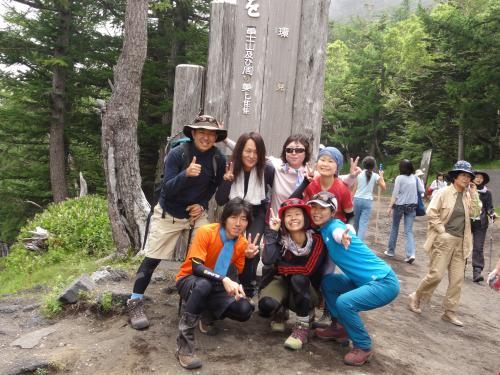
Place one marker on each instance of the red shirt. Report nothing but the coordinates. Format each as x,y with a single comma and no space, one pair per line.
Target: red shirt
339,189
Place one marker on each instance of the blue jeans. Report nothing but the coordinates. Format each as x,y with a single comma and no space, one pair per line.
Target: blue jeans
409,218
362,213
345,300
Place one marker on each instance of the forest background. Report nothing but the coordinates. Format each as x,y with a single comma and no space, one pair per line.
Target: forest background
406,81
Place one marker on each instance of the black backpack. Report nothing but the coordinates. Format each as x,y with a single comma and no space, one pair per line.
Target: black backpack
184,144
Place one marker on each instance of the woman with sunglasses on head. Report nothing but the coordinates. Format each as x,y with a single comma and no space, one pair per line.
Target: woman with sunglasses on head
296,253
250,177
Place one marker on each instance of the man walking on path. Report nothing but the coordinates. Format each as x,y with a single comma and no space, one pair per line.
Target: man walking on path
449,240
185,192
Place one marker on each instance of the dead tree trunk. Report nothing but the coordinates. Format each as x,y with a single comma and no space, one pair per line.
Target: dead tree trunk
127,205
461,132
58,180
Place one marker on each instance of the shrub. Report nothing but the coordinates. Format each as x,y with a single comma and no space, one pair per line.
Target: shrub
79,228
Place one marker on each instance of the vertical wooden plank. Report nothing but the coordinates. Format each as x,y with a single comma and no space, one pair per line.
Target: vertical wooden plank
280,70
220,59
188,94
308,98
240,122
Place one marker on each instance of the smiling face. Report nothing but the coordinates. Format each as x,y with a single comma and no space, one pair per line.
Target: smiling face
203,139
320,215
295,159
249,156
236,224
293,219
326,166
479,179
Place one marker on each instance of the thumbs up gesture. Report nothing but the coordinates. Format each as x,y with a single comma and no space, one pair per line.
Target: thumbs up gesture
193,170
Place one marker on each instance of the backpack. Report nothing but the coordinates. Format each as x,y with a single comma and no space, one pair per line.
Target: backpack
184,144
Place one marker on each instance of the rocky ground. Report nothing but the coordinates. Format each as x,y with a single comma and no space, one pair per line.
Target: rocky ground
85,342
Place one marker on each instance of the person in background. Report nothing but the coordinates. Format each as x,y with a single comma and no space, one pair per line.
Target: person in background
205,280
479,225
249,176
437,184
449,241
363,198
494,277
403,205
297,254
366,281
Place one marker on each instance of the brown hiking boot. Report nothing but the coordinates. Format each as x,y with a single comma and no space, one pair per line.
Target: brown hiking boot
357,357
451,317
185,342
298,337
414,303
137,316
334,332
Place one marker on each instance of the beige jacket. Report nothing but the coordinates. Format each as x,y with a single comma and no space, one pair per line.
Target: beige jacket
440,210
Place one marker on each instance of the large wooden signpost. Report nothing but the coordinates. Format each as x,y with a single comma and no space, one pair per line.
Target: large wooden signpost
265,69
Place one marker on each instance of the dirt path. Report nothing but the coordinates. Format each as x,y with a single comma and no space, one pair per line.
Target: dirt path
404,342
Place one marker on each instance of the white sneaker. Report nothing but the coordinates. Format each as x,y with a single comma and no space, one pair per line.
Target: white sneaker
410,260
387,253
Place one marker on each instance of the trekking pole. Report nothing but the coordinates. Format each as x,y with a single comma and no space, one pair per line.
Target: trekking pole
379,191
492,222
191,228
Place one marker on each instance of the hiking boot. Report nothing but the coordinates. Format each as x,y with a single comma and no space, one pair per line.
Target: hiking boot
387,253
324,321
358,357
414,303
334,332
278,323
137,316
410,260
451,317
298,337
476,275
185,342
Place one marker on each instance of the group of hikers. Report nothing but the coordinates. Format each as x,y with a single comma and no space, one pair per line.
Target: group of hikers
309,224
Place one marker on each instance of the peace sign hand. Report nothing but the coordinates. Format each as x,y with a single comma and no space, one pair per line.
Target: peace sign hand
193,170
274,221
309,172
354,170
252,248
229,176
346,238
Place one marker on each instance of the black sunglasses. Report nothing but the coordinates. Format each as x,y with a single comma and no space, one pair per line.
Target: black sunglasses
206,118
292,202
295,150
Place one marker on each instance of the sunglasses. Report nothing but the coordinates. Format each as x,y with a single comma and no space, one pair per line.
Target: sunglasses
295,150
206,118
292,202
325,197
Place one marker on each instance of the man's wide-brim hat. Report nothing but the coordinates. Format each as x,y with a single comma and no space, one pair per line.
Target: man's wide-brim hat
486,177
462,166
294,202
208,123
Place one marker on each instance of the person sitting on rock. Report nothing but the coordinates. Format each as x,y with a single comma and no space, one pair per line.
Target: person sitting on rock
202,281
297,253
367,282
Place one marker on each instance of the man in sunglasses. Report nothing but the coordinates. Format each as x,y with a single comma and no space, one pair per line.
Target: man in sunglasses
185,192
366,281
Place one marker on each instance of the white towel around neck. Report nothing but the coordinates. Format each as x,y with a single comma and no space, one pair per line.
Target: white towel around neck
256,191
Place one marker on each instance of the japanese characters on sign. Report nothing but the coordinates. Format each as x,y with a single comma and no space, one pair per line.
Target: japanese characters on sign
252,8
248,68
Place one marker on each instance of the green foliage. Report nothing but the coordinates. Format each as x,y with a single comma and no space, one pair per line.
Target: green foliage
404,83
106,301
79,228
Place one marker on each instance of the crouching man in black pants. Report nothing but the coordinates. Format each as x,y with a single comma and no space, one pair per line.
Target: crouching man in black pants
202,282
